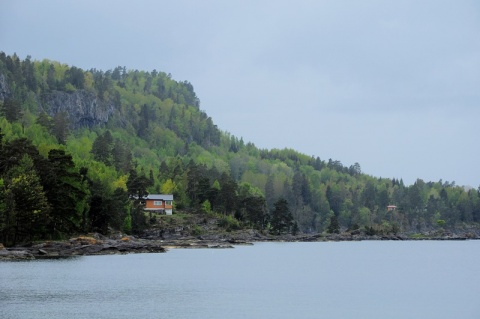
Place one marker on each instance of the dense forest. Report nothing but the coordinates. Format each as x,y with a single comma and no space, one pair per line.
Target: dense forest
80,149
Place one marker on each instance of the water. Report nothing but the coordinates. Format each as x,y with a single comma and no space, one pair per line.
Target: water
427,279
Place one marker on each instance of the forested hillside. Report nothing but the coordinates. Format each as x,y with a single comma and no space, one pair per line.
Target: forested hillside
79,149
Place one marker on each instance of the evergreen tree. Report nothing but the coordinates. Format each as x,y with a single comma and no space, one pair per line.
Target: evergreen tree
122,157
137,190
254,210
75,77
333,226
12,110
29,74
66,192
61,127
107,210
51,82
26,206
282,219
269,192
102,148
44,120
228,194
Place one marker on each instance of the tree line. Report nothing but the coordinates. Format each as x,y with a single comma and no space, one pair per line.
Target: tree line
48,198
159,141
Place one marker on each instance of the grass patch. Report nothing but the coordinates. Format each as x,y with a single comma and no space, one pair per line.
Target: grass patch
418,236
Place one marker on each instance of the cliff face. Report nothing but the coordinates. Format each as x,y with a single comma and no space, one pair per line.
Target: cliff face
83,107
4,88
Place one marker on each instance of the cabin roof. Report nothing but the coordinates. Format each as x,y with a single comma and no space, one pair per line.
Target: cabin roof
160,197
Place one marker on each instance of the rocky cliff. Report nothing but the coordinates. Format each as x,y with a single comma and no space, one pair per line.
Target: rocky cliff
84,108
4,88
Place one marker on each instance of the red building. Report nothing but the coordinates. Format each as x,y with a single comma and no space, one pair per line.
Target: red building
159,203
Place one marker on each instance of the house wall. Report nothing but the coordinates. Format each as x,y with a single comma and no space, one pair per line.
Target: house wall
150,204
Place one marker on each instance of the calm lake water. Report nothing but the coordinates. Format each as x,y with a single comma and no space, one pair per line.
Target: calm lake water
371,279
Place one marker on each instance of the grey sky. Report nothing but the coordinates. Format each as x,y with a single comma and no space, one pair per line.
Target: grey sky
393,85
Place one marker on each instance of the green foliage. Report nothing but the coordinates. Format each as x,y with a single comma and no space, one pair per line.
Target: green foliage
158,140
66,191
197,230
26,206
229,223
60,127
333,226
206,207
441,223
127,224
102,148
11,110
282,219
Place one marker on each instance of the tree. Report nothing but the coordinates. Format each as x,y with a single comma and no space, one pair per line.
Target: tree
282,219
252,206
333,226
29,74
102,148
66,192
168,187
27,207
75,77
297,188
122,157
44,120
107,210
12,110
295,228
383,198
194,175
61,127
269,192
137,191
355,169
228,194
369,195
335,198
13,151
51,82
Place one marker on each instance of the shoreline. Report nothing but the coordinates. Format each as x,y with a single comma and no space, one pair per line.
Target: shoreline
97,245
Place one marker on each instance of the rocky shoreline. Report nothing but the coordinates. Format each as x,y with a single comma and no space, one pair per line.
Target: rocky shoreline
92,245
95,244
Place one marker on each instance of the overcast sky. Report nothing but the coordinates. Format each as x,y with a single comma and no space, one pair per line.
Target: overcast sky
392,85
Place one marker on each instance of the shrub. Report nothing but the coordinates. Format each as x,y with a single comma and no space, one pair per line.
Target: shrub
229,223
197,230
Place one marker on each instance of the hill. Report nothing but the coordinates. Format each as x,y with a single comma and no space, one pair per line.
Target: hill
80,148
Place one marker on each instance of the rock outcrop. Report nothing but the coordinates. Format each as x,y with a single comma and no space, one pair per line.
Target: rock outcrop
83,107
4,88
83,246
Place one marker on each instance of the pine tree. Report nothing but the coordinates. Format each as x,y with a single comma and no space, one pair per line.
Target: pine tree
334,226
66,192
12,110
102,148
61,127
282,219
137,191
27,207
